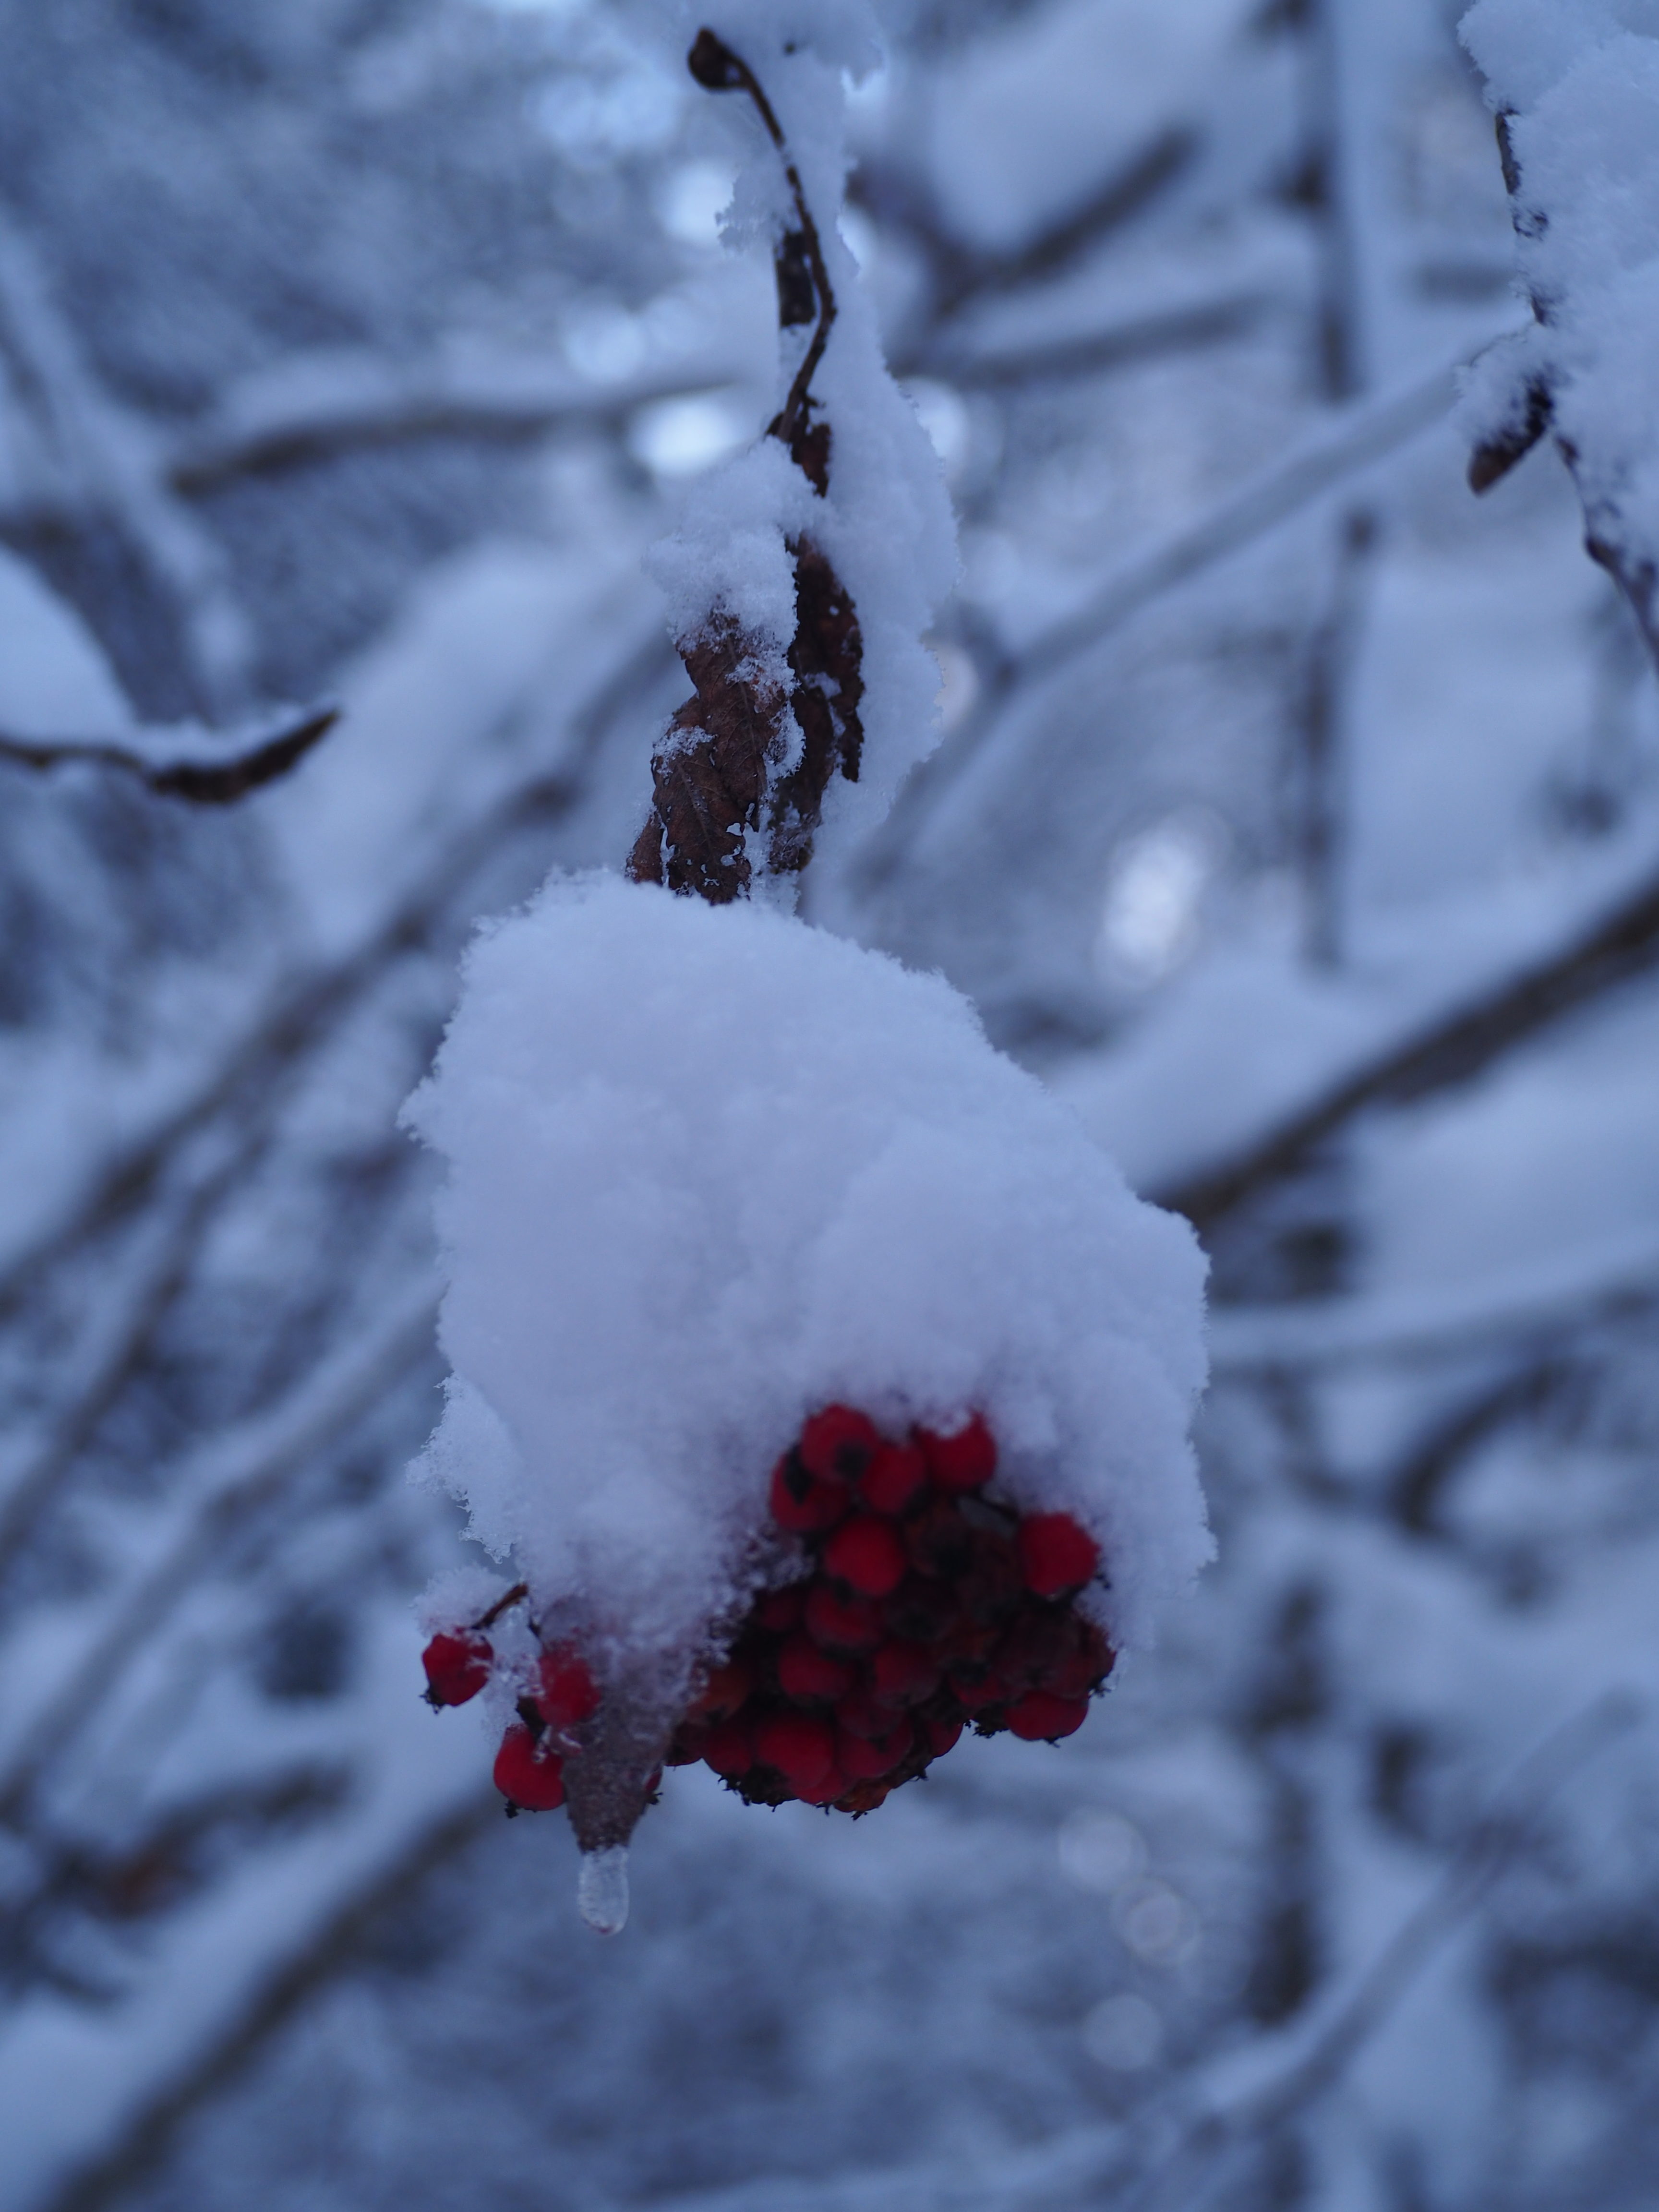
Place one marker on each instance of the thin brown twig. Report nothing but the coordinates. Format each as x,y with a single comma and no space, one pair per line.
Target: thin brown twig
717,69
1335,452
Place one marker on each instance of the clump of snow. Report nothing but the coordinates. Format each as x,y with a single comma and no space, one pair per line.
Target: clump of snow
885,523
1579,82
711,1169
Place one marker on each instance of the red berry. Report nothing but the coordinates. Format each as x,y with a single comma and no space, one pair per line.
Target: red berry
797,1746
840,1623
963,1461
865,1758
867,1555
811,1676
728,1750
780,1610
942,1736
894,1480
687,1747
1055,1554
904,1675
566,1693
804,1503
836,1444
526,1775
824,1791
724,1693
1041,1717
457,1668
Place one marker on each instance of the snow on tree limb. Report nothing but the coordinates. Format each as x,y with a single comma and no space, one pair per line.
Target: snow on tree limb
1576,88
1616,947
209,768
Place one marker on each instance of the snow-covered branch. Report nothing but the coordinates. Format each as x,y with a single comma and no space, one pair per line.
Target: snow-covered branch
209,768
1577,124
1620,946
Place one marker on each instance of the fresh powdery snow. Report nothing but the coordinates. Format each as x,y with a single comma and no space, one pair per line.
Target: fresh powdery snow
711,1169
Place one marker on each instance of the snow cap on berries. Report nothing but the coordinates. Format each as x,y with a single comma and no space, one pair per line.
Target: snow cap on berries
711,1171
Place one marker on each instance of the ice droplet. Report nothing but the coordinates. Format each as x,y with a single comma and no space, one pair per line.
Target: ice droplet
602,1890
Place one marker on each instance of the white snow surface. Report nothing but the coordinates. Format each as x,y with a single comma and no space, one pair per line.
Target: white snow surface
711,1169
886,522
1580,81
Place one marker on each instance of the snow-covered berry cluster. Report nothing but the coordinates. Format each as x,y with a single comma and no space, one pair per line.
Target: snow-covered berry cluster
926,1604
717,1178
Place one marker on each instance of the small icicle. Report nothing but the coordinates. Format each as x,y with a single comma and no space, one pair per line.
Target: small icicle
602,1890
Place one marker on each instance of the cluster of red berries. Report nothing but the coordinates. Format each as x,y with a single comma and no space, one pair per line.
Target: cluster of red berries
529,1764
927,1605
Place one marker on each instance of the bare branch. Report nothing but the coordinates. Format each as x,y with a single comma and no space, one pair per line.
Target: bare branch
230,1476
304,1008
144,2131
1145,337
117,1345
396,410
964,276
1320,768
1623,945
1423,1327
96,514
188,762
1359,436
1505,1829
